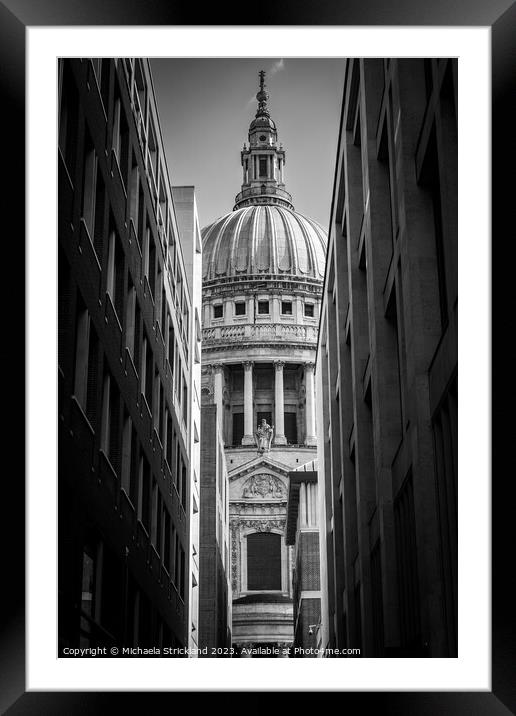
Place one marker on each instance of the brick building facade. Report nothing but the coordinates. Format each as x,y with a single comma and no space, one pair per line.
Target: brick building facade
126,348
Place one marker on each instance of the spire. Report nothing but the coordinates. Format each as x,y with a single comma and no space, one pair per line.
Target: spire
262,96
263,160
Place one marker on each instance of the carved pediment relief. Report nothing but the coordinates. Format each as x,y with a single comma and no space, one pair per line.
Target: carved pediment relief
263,525
263,486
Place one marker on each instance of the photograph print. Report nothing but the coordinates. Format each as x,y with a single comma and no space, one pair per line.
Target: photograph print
257,357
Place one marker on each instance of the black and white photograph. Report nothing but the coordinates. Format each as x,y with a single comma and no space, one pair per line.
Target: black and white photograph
258,357
242,237
246,435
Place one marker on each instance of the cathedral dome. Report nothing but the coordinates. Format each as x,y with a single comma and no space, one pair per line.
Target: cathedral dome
262,240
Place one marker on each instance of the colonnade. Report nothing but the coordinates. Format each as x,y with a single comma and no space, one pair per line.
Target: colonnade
279,402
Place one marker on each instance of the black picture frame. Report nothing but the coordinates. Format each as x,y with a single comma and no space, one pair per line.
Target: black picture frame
500,15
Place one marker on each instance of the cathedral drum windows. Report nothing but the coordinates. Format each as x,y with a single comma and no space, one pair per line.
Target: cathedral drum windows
240,308
309,310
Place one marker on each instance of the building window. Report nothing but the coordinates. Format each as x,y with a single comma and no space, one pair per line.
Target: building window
264,377
153,153
286,308
171,343
240,308
166,540
157,524
263,307
163,309
291,428
179,571
134,475
145,636
238,428
179,462
147,373
86,365
263,166
309,310
132,193
145,494
185,400
157,402
430,179
137,354
184,491
98,226
182,574
115,144
89,559
110,439
130,318
81,354
69,121
88,183
142,221
141,91
115,273
125,147
104,82
149,260
218,311
237,378
263,561
405,529
168,438
126,453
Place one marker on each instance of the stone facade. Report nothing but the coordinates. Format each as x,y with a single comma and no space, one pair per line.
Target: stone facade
387,365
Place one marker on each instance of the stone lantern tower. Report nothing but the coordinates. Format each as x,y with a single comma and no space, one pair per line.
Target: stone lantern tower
263,268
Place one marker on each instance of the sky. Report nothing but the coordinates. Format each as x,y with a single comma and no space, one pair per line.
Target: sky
205,107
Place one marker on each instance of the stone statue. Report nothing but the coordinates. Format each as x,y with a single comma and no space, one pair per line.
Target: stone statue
263,436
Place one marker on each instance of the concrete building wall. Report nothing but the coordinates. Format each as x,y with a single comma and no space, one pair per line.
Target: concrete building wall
185,207
387,365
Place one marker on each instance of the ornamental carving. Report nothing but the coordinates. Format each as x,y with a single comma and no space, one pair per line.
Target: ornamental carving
263,486
262,525
234,557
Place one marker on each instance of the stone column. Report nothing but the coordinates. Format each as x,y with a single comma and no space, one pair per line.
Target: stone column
248,438
218,377
302,505
279,405
310,438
